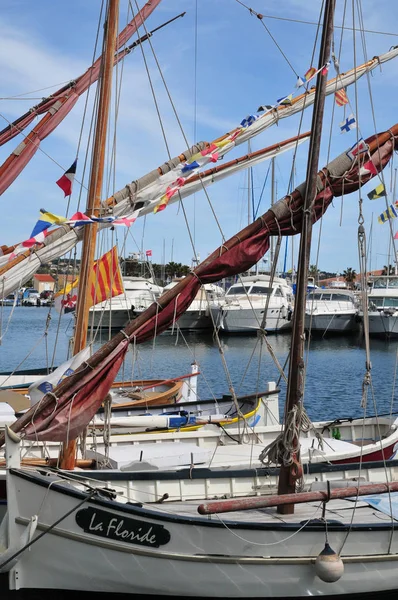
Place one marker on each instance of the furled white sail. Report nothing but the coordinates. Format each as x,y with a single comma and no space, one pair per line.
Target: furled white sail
155,190
147,192
64,239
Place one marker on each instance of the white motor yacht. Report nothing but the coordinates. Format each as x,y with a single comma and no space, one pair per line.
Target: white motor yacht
383,306
332,311
114,313
242,310
197,317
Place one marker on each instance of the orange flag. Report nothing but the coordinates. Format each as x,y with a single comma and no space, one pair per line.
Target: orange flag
106,278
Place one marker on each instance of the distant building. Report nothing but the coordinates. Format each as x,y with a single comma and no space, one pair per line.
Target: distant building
63,280
334,282
340,282
43,282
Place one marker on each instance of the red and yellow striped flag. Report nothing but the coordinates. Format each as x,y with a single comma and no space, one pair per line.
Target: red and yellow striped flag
106,278
105,282
341,97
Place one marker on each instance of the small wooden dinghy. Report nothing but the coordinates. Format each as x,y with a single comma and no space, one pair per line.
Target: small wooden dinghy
146,392
125,394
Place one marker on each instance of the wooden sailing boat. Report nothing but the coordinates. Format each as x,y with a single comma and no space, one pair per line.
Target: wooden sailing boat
171,550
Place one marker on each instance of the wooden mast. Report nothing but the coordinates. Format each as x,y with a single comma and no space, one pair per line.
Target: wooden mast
295,389
272,251
94,198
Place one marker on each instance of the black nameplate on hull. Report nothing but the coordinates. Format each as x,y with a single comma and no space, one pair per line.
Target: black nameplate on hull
123,529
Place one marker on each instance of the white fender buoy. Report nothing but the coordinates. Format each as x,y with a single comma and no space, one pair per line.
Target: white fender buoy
328,566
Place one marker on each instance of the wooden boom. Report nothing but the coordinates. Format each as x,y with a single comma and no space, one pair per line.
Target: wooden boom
232,505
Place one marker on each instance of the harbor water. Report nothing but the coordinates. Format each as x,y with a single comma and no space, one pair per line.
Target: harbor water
335,365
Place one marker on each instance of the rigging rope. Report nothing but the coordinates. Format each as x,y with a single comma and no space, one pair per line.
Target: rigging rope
226,370
381,175
290,20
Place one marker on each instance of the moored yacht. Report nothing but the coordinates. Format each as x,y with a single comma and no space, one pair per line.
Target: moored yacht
383,306
332,311
197,317
139,293
242,310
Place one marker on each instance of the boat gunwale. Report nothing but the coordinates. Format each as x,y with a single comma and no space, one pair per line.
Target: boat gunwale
139,510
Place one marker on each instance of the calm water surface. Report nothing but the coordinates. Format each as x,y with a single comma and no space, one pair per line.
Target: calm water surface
336,366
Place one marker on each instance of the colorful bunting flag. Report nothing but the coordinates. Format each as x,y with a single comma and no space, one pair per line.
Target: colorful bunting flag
377,193
37,239
349,123
341,97
65,300
390,213
127,221
358,148
170,191
249,120
368,167
66,181
265,107
208,150
230,138
79,219
39,232
45,221
285,100
299,82
190,167
310,73
325,69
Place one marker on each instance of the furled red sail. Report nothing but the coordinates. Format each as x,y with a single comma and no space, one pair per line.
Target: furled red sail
57,107
75,400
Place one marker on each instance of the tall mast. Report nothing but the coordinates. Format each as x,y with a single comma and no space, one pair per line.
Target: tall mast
272,204
249,188
295,389
94,197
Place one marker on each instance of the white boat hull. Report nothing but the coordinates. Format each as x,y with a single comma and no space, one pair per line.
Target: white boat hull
194,320
332,323
116,548
248,320
115,319
383,324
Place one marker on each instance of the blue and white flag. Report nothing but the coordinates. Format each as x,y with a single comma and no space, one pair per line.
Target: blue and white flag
349,123
249,120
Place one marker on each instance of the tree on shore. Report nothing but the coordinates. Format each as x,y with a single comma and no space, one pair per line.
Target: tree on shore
313,271
350,276
388,270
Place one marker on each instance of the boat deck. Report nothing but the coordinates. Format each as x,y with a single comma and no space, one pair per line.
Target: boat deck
336,510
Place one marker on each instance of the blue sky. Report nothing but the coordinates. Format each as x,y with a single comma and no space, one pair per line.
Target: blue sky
238,67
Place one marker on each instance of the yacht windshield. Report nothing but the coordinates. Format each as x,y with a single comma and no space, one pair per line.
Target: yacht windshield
260,289
385,282
383,302
236,290
342,298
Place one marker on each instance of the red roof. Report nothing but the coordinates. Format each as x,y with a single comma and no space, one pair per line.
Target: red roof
43,277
